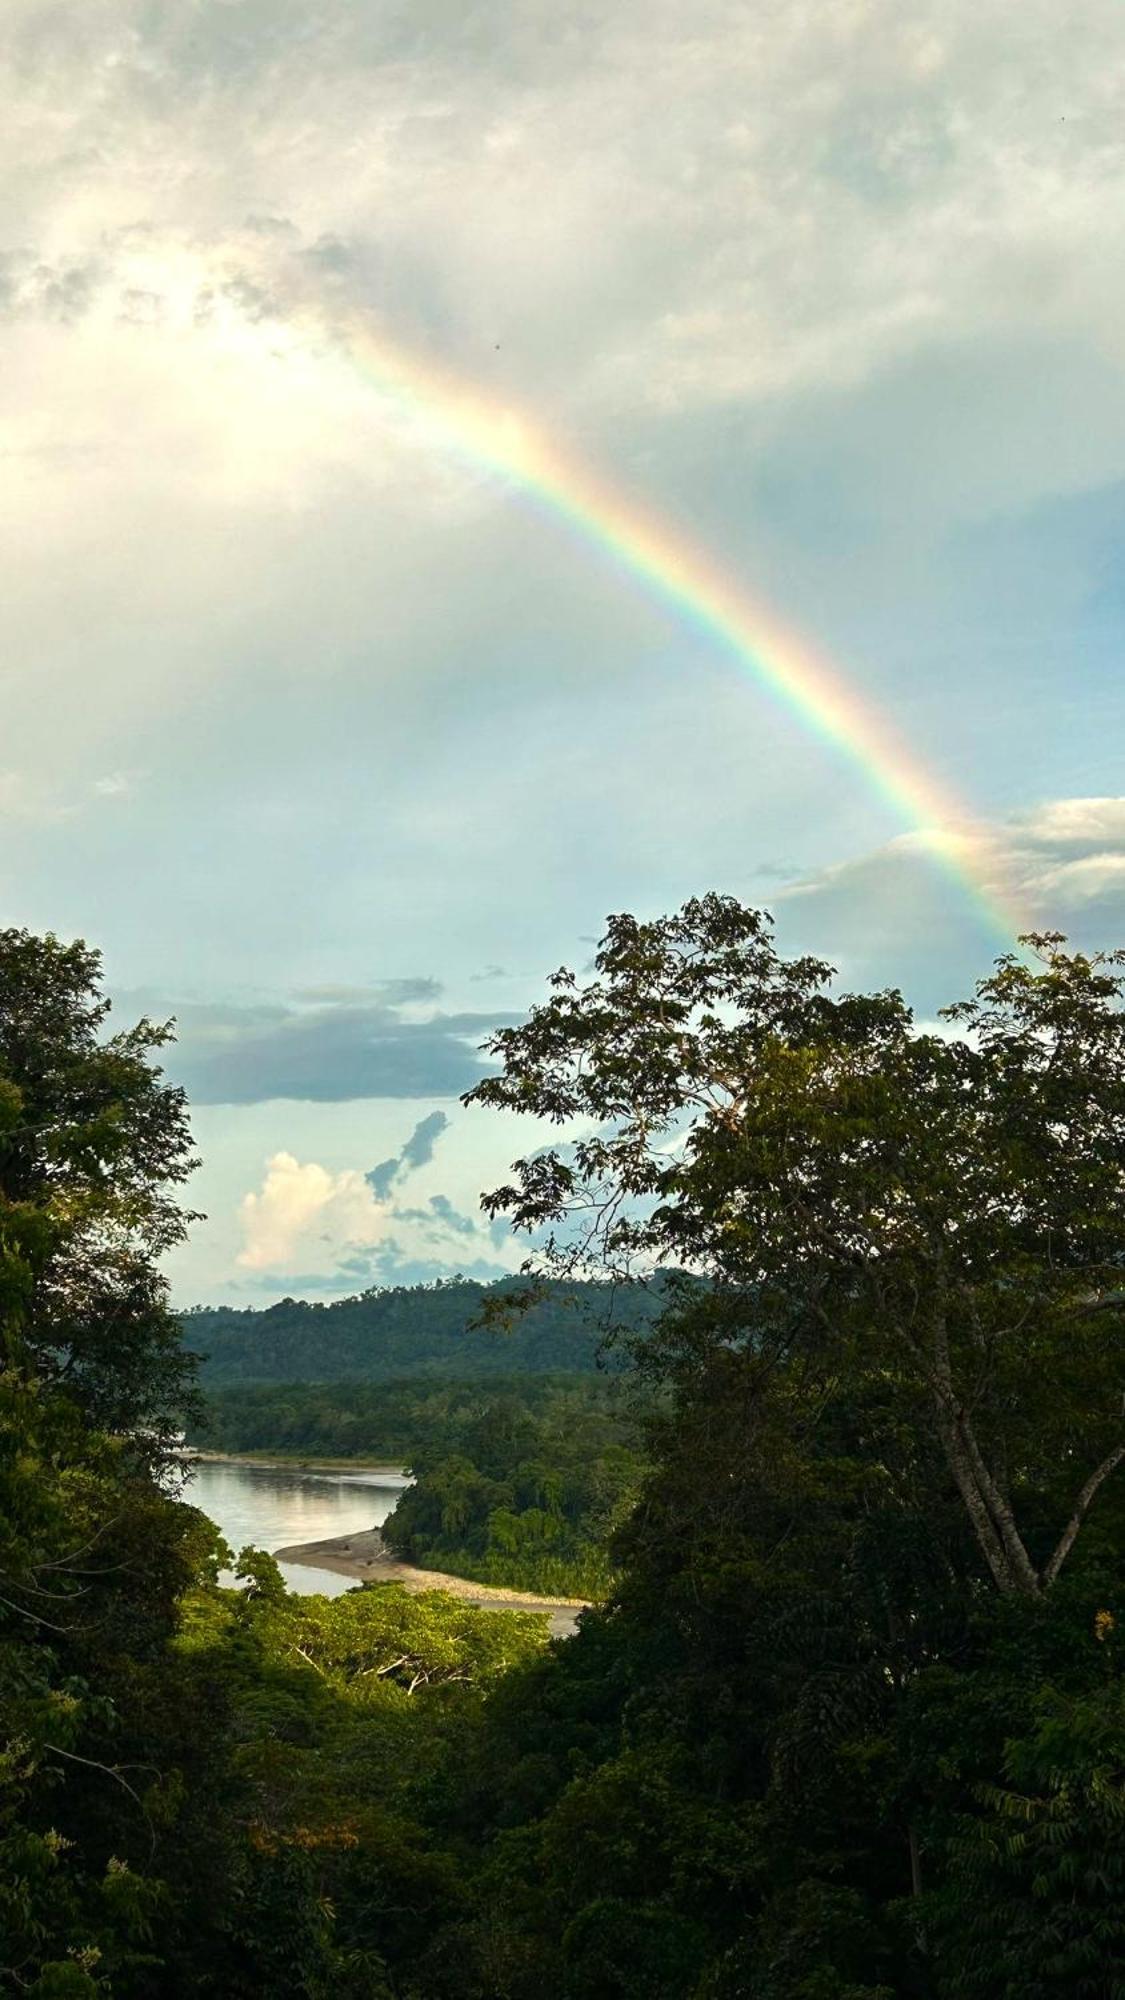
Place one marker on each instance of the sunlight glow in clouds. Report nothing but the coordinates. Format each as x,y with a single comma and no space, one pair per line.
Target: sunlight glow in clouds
261,316
452,416
302,1205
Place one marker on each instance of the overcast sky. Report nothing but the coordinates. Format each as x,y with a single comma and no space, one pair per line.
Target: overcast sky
334,743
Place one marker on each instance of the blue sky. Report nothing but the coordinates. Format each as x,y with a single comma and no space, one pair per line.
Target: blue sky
335,746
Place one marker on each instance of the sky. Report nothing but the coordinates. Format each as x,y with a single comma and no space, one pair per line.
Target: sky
337,740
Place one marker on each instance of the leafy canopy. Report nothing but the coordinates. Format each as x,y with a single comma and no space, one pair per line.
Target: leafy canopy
945,1205
94,1145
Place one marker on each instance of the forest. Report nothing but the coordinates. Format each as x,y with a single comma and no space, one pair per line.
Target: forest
518,1480
379,1422
456,1327
847,1720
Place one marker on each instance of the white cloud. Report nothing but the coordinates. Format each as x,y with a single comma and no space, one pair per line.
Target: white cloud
301,1204
1082,821
650,206
637,216
1034,859
311,1222
1091,878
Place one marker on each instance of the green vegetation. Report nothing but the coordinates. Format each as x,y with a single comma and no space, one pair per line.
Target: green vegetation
188,1776
456,1327
100,1764
343,1721
851,1725
520,1480
523,1490
384,1421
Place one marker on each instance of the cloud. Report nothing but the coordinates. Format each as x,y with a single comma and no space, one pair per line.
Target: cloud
419,1148
417,1152
385,992
891,176
300,1200
1062,863
462,1225
391,1265
1063,822
395,1262
328,1053
345,1227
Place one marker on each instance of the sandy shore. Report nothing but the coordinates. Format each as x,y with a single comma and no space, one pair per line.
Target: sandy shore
365,1555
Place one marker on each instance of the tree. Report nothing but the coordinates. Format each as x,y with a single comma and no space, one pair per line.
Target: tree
945,1208
93,1146
93,1554
864,1632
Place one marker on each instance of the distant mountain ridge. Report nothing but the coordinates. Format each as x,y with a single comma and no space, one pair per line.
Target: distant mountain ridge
417,1330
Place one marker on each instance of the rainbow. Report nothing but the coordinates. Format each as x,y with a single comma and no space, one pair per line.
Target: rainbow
670,567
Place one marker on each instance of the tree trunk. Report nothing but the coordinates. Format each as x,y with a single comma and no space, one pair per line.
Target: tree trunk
993,1521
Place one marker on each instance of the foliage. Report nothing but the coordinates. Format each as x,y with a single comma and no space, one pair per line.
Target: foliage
455,1327
93,1146
1032,1901
860,1193
523,1489
850,1724
382,1421
346,1716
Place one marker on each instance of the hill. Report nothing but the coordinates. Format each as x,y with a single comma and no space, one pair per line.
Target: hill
418,1330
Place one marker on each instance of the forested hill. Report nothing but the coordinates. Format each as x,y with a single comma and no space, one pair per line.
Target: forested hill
415,1330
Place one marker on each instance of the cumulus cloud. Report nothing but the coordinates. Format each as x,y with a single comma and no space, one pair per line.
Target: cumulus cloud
302,1200
331,1230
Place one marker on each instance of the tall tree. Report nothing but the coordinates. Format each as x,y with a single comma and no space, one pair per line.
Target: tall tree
94,1145
93,1554
944,1207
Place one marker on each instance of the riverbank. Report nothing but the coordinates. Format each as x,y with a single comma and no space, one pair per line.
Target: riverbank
280,1461
365,1556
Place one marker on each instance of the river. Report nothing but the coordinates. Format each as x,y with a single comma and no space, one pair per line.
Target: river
275,1507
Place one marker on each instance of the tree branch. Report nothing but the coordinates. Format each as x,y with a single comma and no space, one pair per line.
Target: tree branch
1070,1533
1002,1516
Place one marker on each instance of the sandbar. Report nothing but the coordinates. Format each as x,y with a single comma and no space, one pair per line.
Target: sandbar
365,1555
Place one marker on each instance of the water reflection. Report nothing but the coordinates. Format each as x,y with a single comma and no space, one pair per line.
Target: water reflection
273,1507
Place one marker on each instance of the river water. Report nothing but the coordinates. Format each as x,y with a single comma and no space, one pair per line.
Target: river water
273,1507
